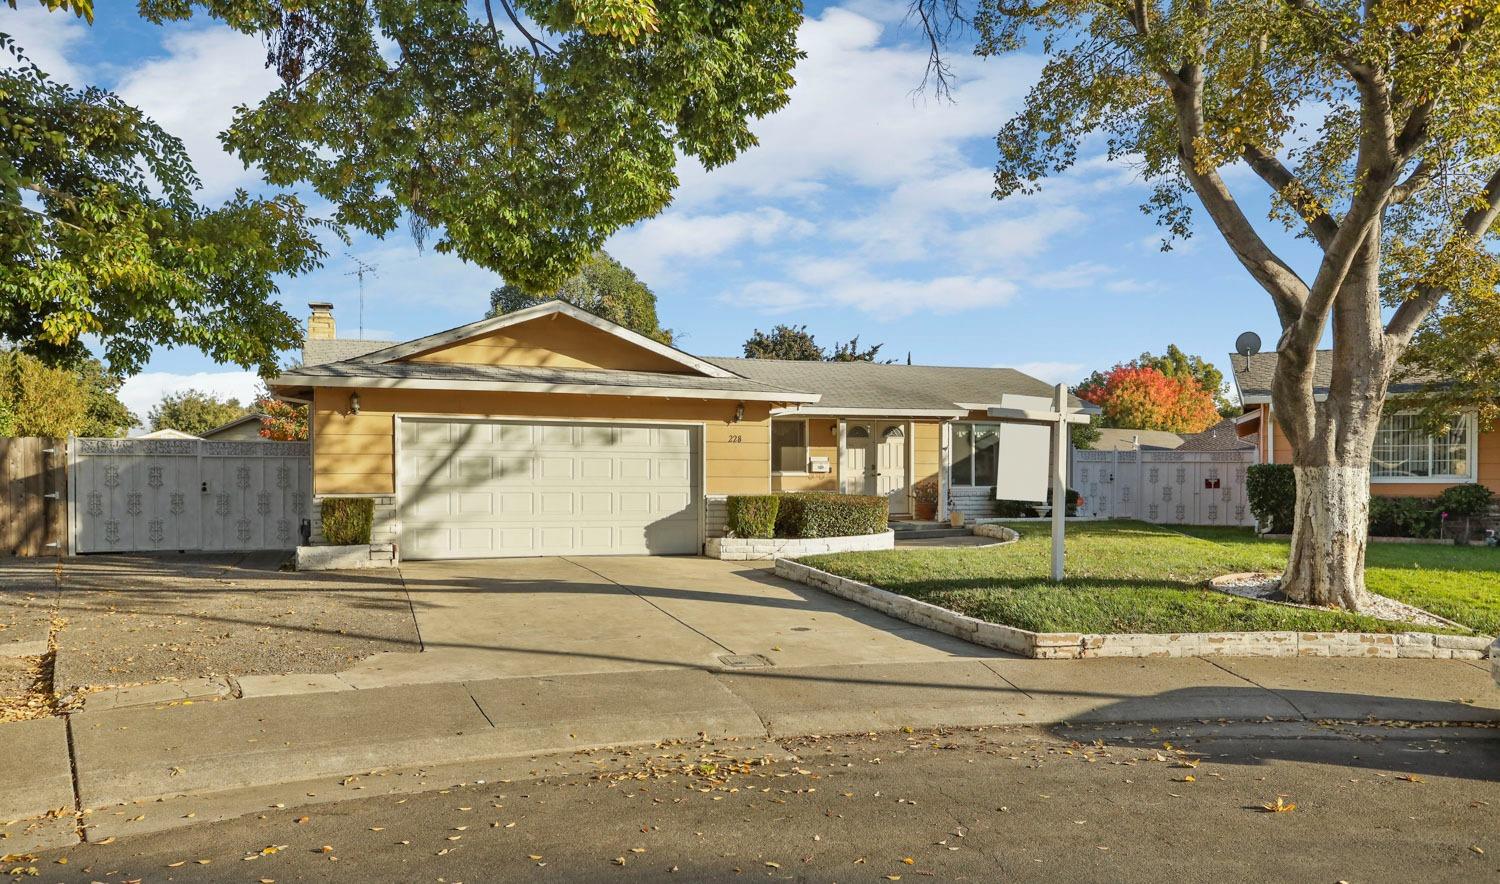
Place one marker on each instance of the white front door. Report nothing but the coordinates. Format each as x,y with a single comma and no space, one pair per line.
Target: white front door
890,466
859,466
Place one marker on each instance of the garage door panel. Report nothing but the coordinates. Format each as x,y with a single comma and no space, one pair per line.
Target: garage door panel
501,488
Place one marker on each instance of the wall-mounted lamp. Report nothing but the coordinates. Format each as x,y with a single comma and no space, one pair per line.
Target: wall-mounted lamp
354,403
739,412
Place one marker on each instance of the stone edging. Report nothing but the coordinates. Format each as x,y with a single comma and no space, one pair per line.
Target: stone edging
345,558
1074,646
742,549
998,532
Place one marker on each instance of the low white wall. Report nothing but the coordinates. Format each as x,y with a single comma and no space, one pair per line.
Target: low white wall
741,549
346,558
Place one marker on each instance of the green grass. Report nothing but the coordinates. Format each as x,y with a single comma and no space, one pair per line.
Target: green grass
1136,577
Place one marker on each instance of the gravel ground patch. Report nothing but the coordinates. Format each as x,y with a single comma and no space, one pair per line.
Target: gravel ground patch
1266,587
28,589
138,619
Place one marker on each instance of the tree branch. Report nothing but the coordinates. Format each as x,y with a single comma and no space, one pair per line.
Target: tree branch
1473,227
1273,172
537,44
1414,182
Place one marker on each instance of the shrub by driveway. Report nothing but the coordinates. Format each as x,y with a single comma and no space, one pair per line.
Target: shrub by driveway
136,619
1136,577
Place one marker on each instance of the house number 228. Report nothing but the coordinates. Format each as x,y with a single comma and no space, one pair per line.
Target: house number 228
736,438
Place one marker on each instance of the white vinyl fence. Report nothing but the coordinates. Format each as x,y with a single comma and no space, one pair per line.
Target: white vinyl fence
1166,487
131,495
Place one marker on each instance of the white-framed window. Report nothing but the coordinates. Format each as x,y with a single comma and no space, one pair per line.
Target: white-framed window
788,445
1404,452
976,454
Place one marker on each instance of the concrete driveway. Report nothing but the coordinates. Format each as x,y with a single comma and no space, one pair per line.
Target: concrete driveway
496,618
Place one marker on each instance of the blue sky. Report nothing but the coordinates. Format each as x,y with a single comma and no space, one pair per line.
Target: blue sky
865,210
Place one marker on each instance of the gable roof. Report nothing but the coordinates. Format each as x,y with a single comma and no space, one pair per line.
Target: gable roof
317,352
1222,436
546,308
1253,376
229,425
912,389
1125,439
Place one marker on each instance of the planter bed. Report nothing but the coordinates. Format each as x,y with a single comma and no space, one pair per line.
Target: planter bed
1074,646
741,549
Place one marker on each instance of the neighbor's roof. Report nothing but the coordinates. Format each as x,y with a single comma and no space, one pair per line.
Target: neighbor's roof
444,375
1253,376
1122,439
1222,436
871,385
316,352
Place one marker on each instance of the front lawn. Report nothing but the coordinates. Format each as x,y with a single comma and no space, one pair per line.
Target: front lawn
1137,577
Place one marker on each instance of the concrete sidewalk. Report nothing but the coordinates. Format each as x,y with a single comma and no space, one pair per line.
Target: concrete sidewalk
148,767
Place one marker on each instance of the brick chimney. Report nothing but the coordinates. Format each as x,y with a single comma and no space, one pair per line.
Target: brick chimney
320,324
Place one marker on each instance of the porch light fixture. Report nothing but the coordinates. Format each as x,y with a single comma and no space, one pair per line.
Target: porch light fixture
354,403
739,412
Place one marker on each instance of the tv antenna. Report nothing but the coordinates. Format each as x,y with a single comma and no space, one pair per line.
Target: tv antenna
361,269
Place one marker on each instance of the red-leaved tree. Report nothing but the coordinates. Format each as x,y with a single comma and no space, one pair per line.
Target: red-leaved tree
1146,399
283,421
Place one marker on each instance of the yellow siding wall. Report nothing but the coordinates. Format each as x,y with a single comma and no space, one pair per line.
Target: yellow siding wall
1488,462
926,459
555,341
355,454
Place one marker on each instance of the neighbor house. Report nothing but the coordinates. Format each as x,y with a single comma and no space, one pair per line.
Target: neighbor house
553,431
1408,461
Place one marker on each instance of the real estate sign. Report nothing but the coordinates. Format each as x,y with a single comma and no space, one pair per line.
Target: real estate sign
1024,452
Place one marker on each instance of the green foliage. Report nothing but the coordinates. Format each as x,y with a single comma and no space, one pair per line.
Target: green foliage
821,514
194,412
523,147
284,421
795,343
603,287
1176,364
105,239
1021,509
753,515
924,496
1466,501
1083,436
1272,489
75,399
1404,517
348,521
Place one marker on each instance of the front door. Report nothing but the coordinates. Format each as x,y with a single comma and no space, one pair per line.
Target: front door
859,464
890,466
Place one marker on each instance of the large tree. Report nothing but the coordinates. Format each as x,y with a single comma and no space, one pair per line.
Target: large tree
602,286
796,343
1144,398
521,132
1374,128
75,399
194,412
103,237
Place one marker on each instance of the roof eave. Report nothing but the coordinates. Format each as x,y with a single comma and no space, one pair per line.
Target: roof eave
296,380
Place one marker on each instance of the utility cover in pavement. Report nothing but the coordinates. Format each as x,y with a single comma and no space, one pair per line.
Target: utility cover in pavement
744,661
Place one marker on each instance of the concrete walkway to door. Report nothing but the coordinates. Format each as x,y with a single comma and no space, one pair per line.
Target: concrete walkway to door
499,618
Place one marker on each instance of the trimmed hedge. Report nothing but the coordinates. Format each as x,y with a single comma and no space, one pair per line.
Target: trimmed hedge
807,515
1020,509
348,521
1272,488
1404,517
821,514
1466,501
753,515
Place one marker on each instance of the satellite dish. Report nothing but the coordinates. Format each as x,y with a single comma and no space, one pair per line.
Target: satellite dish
1247,344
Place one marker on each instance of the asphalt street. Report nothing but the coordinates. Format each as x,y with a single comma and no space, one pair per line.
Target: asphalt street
1109,803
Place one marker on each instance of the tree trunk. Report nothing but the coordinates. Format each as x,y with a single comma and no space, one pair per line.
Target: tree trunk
1327,565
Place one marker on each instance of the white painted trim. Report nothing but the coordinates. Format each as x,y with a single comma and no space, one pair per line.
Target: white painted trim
1246,417
538,387
548,308
945,464
1471,419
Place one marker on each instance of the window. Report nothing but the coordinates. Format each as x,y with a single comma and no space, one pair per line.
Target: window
788,446
1403,450
976,454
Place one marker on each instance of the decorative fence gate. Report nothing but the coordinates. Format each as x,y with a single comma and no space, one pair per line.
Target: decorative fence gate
1167,487
185,494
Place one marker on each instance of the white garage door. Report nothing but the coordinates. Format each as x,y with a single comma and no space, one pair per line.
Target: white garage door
470,489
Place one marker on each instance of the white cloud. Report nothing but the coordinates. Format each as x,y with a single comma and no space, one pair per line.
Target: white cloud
47,39
145,390
192,92
1053,372
655,248
884,297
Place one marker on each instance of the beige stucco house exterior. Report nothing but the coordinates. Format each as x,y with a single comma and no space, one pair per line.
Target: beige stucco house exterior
553,431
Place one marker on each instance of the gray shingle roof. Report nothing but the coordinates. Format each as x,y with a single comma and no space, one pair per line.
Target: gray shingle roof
445,371
1120,439
1222,436
1253,375
316,352
872,385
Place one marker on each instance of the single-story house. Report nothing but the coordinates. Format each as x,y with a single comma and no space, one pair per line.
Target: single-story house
245,428
1407,462
1222,436
553,431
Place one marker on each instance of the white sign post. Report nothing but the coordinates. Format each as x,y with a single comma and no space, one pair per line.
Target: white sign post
1027,424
